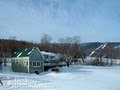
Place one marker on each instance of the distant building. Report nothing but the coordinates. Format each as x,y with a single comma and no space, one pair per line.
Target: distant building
28,60
50,58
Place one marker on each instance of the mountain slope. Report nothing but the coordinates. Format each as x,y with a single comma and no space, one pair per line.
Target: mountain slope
95,48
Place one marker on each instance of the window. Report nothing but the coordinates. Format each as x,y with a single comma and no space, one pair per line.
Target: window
38,63
46,56
34,63
41,63
16,63
26,63
30,63
51,57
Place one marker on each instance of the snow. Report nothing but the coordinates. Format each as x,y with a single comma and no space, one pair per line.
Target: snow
50,54
26,49
30,52
15,52
95,50
101,46
104,46
75,77
92,53
19,54
117,46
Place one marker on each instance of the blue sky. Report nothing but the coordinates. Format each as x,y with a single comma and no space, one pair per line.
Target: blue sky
92,20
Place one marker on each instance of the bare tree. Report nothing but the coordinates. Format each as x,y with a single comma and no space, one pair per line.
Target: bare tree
71,47
82,56
46,38
110,53
45,42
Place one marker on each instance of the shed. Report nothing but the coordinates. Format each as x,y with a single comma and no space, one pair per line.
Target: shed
28,60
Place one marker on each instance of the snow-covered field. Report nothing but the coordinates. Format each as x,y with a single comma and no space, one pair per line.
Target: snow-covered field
73,78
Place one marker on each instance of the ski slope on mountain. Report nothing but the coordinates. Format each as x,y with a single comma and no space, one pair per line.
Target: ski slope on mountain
102,46
72,78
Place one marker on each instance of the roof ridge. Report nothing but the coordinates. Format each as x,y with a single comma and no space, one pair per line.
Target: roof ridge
23,52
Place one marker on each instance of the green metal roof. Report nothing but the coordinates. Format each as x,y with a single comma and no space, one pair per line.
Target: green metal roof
23,52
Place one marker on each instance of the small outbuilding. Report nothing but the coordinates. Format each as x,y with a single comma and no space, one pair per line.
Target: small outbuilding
28,60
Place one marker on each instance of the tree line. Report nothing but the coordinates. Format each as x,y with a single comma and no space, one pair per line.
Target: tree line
68,47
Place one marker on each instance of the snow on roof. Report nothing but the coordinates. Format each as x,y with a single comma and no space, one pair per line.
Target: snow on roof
30,51
50,54
23,52
19,54
26,49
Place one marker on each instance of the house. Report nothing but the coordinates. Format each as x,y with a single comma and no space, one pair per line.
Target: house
51,60
50,57
28,60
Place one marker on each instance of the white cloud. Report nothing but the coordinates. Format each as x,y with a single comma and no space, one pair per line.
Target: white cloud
30,19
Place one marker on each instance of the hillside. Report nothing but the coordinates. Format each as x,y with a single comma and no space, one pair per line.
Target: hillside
8,46
95,48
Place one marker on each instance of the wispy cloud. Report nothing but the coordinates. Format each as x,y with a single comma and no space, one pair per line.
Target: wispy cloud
93,20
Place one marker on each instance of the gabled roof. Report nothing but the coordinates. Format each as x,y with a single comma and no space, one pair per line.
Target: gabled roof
26,52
